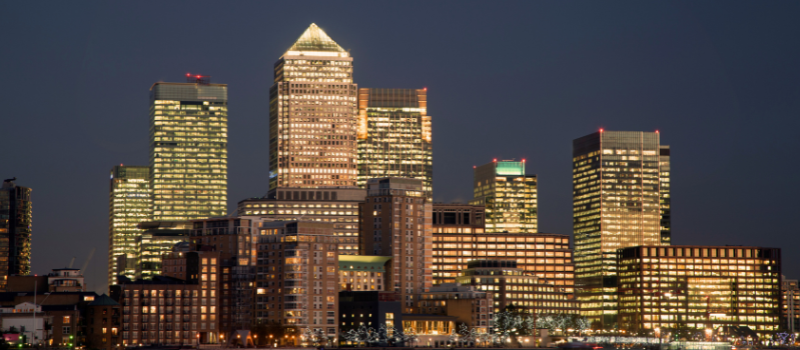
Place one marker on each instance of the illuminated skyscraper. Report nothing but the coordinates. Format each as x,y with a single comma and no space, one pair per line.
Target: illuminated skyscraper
130,203
313,115
189,149
16,212
394,135
617,179
509,195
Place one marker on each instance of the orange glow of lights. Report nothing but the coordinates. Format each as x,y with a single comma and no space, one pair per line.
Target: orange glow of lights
425,88
601,129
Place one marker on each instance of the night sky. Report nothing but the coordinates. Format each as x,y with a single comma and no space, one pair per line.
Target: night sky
719,80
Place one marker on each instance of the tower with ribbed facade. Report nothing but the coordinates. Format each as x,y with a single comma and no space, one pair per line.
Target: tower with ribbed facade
313,116
394,135
618,194
189,149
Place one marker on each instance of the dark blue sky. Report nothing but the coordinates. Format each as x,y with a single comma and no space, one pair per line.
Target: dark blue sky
720,80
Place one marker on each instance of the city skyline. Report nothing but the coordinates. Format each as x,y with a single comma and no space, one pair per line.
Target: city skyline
710,150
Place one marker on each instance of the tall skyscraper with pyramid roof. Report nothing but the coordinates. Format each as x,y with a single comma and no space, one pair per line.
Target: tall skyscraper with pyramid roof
313,116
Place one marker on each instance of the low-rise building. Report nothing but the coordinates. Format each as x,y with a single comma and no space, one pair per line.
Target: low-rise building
470,306
180,306
791,305
511,285
104,324
371,309
700,288
59,280
362,272
544,255
64,312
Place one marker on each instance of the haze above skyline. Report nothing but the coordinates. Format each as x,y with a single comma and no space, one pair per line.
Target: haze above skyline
719,80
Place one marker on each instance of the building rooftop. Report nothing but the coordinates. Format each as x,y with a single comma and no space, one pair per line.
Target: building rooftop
103,300
315,39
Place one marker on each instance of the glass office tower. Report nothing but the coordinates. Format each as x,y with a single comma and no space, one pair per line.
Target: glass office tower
189,150
509,195
313,115
616,204
130,202
16,215
394,135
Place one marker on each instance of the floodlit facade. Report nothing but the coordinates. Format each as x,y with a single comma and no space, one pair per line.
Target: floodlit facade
699,288
510,285
189,150
313,115
509,196
130,203
544,255
16,213
394,135
616,204
336,205
396,222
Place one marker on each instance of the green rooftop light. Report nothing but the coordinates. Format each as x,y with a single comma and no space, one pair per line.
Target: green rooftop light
505,168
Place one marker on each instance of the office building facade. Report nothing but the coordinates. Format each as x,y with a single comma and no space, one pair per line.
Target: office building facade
396,222
700,288
509,196
335,205
313,115
544,255
130,203
512,286
458,218
616,204
189,150
16,217
394,135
